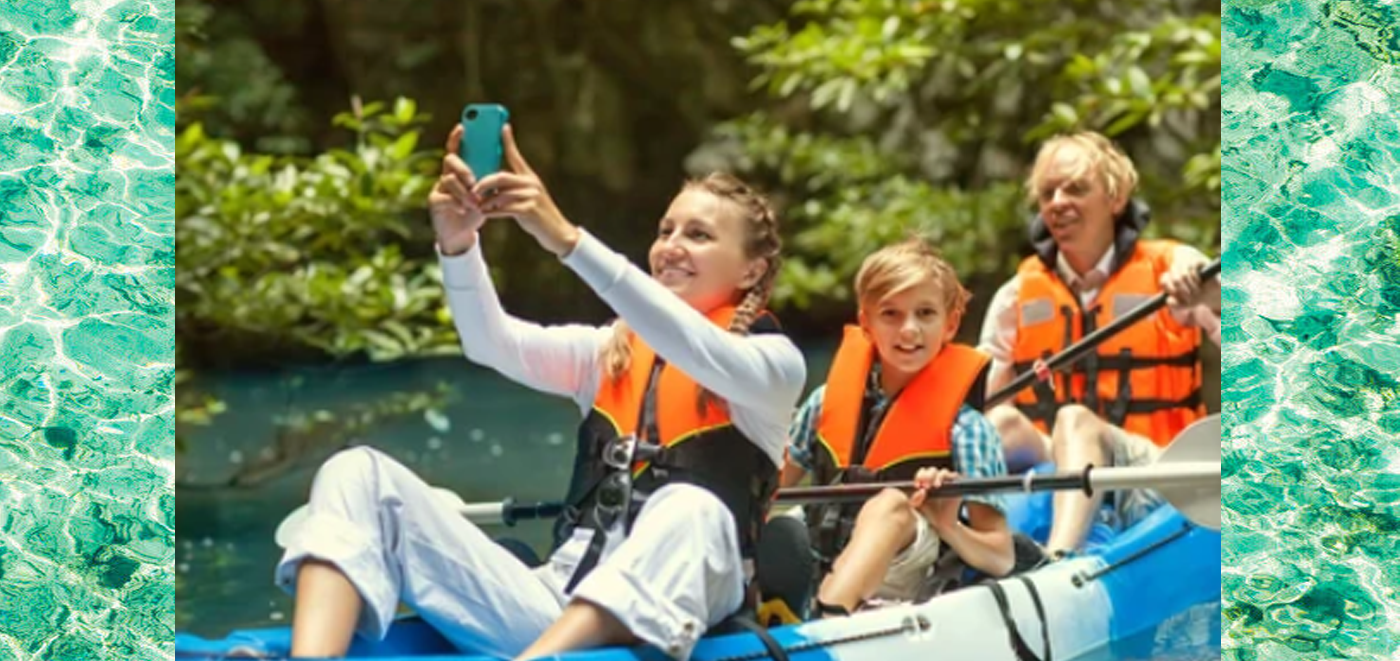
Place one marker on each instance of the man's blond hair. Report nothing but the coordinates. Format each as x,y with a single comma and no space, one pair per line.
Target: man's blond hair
1098,157
895,268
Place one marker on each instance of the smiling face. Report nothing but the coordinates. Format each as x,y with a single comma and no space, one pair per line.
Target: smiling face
1073,196
699,252
908,328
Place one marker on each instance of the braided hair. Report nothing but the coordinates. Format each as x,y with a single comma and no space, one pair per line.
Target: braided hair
761,242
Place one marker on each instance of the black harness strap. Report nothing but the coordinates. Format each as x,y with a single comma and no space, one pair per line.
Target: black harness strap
1067,376
1090,363
869,425
604,520
770,644
608,498
588,561
616,490
1118,411
1018,644
651,432
1045,404
1130,362
1039,613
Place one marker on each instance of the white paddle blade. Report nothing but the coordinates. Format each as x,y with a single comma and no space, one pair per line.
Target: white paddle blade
1199,441
1199,502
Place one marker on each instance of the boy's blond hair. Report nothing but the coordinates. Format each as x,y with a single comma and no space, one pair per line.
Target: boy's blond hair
895,268
1101,158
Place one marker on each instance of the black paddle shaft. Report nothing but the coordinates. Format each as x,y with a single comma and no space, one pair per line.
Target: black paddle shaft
841,493
1090,342
513,512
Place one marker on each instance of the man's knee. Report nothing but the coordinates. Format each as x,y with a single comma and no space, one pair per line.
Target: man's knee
1073,416
1078,426
1007,419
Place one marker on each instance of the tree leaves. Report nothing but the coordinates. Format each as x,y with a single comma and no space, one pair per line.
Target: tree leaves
304,252
924,117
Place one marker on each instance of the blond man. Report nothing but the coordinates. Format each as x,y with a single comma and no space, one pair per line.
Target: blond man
1124,403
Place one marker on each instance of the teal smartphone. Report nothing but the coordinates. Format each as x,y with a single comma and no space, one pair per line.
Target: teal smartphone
481,137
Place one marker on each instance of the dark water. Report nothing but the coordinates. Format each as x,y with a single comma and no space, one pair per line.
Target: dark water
494,439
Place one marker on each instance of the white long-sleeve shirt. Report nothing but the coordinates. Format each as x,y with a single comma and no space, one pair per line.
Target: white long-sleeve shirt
759,376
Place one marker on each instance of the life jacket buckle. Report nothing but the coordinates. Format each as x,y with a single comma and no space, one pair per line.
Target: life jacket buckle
618,454
613,496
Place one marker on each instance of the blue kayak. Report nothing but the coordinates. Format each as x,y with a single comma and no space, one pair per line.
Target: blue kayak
1146,583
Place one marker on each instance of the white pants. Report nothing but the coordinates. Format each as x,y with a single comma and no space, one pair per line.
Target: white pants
677,574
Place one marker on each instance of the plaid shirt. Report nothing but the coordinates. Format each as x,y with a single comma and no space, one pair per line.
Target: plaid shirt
976,446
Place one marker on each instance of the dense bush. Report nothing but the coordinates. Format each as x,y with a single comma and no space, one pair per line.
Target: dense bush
891,116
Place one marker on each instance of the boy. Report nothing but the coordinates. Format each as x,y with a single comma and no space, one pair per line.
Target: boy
901,401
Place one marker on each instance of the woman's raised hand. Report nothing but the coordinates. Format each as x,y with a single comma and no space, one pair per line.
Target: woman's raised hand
519,193
452,205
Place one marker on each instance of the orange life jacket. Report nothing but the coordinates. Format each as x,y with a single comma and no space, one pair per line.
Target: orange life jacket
678,417
696,447
917,428
916,431
1146,379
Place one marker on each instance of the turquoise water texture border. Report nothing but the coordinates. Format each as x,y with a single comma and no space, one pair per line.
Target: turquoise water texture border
1312,266
87,120
1311,365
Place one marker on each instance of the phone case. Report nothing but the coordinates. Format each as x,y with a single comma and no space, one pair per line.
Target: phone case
481,137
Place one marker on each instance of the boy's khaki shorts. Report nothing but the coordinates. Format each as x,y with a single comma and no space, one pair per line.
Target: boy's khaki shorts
910,567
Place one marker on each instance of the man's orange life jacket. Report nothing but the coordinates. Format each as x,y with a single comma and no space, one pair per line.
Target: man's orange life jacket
1146,379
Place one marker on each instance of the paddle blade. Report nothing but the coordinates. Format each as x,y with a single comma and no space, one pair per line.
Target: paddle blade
1199,442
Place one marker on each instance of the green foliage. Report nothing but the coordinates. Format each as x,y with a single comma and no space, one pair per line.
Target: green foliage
1203,172
923,116
850,201
1141,77
305,252
844,48
287,256
230,84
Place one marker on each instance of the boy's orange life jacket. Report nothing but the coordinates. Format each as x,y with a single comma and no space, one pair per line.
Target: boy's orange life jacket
915,432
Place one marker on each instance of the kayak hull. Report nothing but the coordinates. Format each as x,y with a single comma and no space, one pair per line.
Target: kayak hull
1146,587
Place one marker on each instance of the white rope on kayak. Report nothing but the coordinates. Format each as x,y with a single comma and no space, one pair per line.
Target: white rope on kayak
908,626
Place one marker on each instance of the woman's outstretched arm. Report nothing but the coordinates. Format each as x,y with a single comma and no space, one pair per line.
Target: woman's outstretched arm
757,370
763,371
560,360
